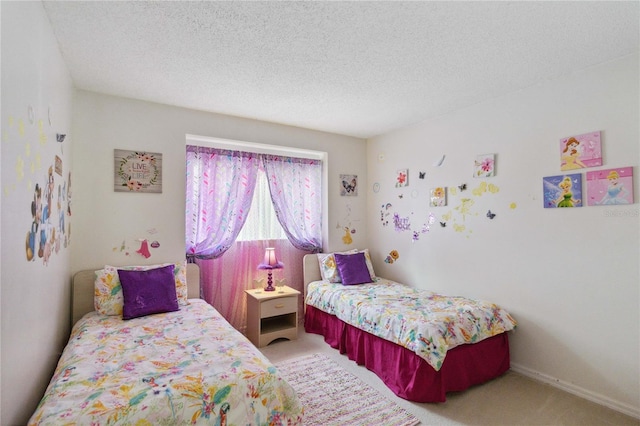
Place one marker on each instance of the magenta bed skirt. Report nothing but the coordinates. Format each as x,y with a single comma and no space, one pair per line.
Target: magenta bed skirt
404,372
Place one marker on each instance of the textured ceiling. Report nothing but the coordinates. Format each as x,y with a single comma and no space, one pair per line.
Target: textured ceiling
353,68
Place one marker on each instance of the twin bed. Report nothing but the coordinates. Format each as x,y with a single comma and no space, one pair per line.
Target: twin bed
421,344
182,366
183,363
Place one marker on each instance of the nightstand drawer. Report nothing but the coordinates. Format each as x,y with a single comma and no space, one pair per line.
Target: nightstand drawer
279,306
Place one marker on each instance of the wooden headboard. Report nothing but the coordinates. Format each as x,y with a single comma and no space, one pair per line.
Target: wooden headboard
82,290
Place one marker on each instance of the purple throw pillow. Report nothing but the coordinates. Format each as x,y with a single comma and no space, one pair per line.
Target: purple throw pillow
352,268
148,292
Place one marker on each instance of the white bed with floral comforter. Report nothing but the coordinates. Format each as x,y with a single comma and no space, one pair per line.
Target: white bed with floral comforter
175,368
424,322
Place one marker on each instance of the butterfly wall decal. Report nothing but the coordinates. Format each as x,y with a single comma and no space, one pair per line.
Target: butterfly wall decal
490,215
421,175
462,187
443,224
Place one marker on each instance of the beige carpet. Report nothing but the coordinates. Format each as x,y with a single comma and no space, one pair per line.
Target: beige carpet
509,400
332,396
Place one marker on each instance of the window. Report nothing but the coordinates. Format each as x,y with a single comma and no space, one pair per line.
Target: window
227,254
262,223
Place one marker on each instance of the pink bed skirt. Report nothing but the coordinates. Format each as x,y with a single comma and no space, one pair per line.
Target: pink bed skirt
404,372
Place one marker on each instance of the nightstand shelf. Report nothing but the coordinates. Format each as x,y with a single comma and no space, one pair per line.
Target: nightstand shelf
272,315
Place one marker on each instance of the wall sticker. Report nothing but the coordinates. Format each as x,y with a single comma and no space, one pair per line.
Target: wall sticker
49,205
392,257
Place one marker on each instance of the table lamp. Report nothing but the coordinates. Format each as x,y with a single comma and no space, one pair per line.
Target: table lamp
270,262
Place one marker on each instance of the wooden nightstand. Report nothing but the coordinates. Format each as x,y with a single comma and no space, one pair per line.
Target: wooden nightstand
272,315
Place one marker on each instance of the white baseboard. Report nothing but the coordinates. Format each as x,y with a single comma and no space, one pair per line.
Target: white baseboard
578,391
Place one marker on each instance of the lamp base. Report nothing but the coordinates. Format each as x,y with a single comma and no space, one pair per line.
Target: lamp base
269,286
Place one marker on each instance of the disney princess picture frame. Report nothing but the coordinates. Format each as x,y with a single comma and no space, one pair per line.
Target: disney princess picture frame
562,191
610,187
580,151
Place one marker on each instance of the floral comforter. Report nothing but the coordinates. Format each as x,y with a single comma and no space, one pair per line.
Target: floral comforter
178,368
424,322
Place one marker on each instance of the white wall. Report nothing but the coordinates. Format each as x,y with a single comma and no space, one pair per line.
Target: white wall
35,294
106,218
35,304
569,276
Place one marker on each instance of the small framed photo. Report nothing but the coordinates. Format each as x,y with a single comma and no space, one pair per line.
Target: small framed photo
610,187
562,191
438,196
580,151
349,185
402,178
137,171
58,165
484,166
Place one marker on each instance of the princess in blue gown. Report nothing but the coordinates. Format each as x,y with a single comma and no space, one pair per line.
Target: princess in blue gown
616,192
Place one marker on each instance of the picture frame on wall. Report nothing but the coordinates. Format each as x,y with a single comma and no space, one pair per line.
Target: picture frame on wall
484,166
562,191
610,187
58,165
349,185
438,196
402,178
581,151
137,171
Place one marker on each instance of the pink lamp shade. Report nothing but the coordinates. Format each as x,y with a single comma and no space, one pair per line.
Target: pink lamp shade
270,262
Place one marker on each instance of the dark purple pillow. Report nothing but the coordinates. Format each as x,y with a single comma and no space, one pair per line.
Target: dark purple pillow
352,268
148,292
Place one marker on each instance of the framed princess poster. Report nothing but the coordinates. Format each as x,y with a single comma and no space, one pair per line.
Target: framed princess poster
562,191
578,152
610,187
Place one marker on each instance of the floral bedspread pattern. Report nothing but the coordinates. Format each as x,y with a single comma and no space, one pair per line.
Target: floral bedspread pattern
178,368
424,322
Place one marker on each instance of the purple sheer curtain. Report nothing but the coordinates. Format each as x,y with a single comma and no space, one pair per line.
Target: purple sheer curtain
219,190
296,191
224,279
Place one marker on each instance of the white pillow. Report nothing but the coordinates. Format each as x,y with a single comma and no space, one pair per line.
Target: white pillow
367,257
328,268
